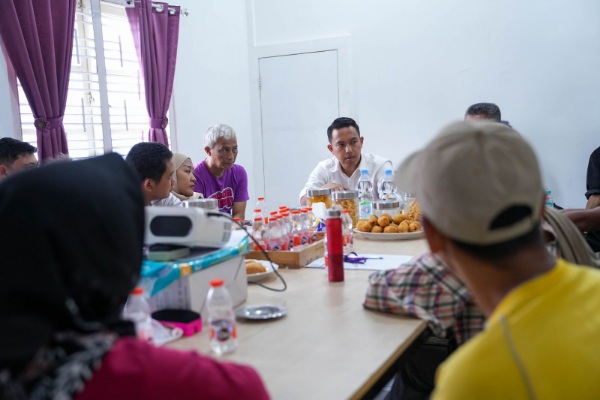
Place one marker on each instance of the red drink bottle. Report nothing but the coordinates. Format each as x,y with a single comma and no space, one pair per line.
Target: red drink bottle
335,245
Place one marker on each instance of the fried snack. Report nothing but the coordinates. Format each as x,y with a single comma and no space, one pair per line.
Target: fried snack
386,215
373,220
363,226
377,229
398,218
384,221
414,211
403,227
414,226
391,229
254,267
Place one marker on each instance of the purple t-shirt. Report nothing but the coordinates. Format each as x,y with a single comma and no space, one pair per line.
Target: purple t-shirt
231,188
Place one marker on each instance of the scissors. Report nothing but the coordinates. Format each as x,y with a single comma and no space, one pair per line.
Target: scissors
353,258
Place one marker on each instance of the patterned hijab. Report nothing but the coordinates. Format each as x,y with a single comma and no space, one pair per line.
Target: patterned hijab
178,160
71,248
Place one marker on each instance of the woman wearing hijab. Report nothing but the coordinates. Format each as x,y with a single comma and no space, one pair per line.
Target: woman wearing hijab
184,178
71,254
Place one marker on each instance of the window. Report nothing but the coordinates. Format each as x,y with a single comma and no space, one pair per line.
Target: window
106,107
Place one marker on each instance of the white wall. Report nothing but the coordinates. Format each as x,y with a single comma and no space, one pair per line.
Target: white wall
417,65
211,79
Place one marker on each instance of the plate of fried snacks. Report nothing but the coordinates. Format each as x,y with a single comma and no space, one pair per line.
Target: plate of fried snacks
387,227
258,270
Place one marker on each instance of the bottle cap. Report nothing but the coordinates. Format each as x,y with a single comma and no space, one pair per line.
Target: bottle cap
257,210
216,282
318,192
386,205
388,172
261,198
364,171
138,290
333,213
345,194
345,211
258,219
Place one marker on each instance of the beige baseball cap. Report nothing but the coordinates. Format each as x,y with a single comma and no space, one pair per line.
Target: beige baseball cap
472,173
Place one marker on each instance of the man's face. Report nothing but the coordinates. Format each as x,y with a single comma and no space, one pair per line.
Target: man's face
223,153
23,162
345,146
162,188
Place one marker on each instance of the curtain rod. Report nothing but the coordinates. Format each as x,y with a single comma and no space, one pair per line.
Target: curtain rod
157,7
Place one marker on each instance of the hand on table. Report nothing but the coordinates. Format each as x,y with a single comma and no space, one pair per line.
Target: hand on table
335,187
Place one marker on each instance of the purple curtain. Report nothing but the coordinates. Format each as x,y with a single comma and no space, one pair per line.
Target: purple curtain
38,39
156,33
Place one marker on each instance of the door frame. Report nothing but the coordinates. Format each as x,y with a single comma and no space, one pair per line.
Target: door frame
347,104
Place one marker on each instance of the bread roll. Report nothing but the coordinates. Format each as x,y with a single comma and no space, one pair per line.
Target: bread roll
254,267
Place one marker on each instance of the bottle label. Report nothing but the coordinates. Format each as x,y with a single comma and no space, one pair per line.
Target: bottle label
222,330
366,209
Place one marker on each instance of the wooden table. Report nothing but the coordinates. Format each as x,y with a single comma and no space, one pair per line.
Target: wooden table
328,346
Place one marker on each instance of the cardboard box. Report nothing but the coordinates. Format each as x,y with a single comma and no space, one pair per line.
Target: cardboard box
189,292
292,259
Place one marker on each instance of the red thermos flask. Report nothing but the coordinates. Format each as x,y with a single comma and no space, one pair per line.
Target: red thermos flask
335,245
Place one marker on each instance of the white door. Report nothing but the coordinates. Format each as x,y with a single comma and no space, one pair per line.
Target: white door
299,98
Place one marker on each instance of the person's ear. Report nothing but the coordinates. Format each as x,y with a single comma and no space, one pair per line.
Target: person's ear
362,139
208,150
435,240
148,185
3,170
330,147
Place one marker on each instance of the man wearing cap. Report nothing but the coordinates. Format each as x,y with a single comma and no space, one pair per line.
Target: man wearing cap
342,171
481,195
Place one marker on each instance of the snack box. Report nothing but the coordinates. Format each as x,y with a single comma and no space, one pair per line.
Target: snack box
297,258
190,291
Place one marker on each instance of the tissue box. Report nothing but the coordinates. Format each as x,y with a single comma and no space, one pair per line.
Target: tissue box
190,291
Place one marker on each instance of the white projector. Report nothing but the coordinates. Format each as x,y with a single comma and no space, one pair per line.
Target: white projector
192,227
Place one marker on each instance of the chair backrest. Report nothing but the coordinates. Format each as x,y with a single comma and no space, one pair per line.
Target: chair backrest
571,244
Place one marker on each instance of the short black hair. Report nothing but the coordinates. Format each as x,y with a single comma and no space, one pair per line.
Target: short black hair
342,122
149,159
11,149
489,110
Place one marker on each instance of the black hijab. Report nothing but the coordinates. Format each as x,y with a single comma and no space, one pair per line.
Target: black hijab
71,237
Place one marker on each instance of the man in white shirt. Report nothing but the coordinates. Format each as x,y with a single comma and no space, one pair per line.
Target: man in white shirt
153,162
342,171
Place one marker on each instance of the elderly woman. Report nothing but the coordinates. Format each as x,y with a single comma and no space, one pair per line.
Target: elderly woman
184,178
70,257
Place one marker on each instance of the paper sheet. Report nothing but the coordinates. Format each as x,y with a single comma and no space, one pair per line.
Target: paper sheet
386,262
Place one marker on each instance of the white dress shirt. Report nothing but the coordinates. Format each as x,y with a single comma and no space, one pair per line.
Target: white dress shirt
330,171
170,201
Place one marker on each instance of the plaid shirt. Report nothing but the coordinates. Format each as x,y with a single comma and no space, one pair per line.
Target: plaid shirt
427,289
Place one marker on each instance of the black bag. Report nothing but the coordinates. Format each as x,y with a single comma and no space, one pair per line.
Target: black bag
415,378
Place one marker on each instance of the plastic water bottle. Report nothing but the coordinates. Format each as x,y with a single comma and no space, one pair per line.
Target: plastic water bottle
347,231
258,233
257,214
223,333
262,205
365,197
549,198
137,310
387,188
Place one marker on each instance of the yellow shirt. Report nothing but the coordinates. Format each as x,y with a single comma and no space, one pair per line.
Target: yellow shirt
541,342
